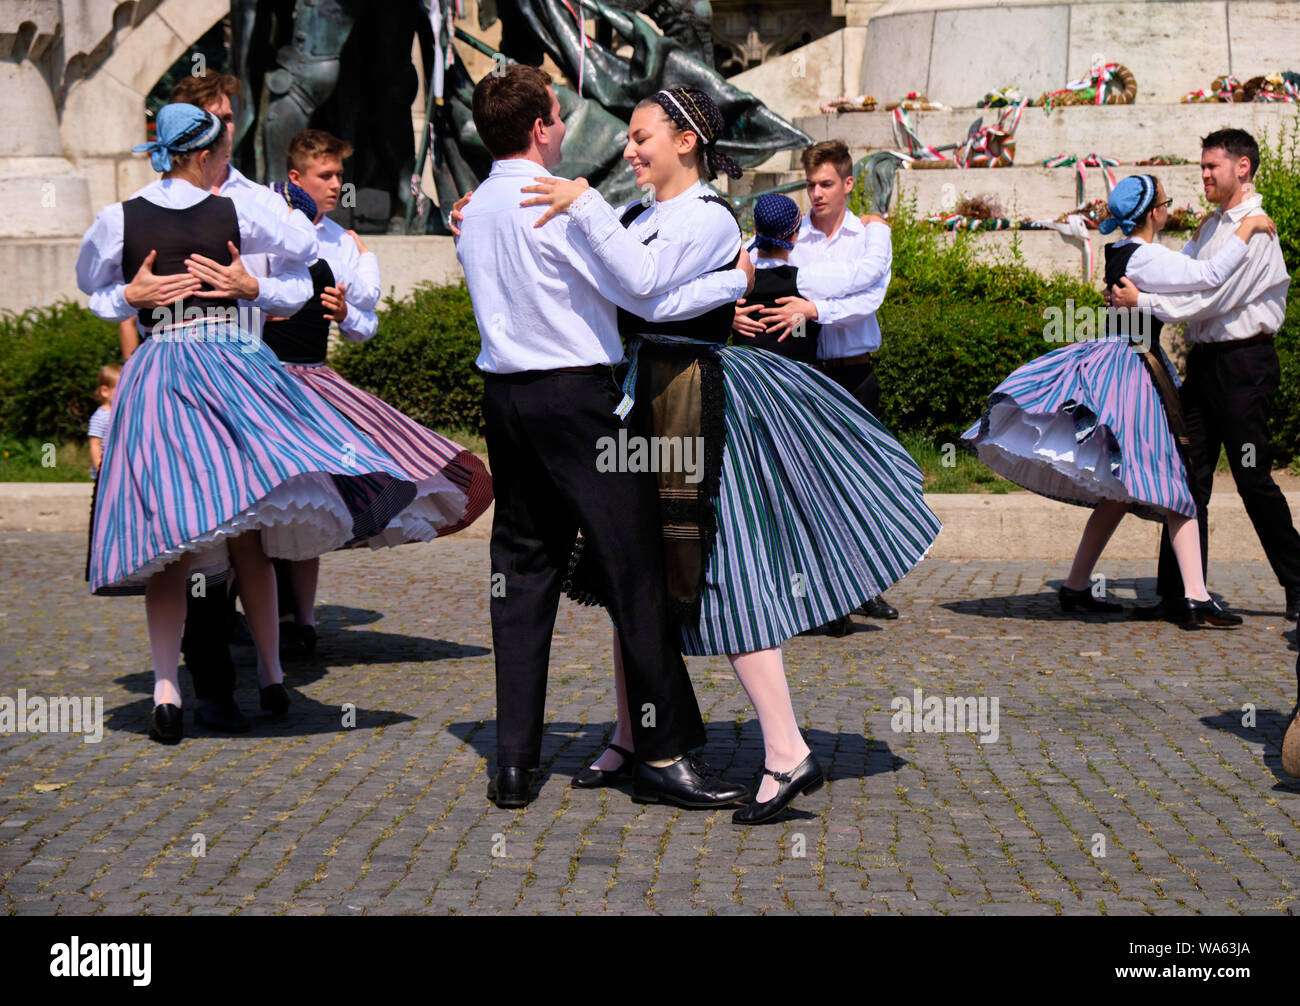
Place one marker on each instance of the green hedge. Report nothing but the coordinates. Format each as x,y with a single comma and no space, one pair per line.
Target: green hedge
422,359
953,329
49,368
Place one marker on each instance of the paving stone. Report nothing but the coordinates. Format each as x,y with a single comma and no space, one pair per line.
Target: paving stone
1125,730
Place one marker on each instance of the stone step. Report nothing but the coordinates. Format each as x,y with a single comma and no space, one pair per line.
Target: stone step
1126,132
1033,193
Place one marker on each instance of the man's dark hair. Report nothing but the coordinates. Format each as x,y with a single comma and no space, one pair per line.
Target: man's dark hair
832,152
507,105
1236,143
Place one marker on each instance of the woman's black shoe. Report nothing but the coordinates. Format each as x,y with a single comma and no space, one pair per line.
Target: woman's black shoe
275,700
594,778
807,778
1084,601
166,725
307,639
1210,612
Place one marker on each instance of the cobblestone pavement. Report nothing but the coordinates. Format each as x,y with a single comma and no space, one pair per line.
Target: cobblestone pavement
1126,777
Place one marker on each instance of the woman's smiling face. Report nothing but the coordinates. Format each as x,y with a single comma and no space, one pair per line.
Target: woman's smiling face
655,147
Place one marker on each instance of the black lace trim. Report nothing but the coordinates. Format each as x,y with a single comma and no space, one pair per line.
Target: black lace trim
703,512
576,584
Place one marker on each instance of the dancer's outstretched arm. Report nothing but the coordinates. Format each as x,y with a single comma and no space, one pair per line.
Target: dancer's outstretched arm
643,270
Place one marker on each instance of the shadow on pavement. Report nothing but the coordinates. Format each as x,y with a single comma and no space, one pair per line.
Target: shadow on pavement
737,754
1270,725
305,716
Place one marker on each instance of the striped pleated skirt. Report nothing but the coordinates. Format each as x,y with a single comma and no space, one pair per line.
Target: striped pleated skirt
211,438
1085,423
453,487
819,508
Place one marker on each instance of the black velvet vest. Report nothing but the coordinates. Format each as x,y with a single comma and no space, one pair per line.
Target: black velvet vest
712,326
769,285
176,234
1119,323
304,337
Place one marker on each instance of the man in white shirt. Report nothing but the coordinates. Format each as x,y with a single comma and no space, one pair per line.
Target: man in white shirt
1232,370
1232,379
844,271
546,311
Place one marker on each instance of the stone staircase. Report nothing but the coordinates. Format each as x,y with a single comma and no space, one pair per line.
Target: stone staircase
1028,190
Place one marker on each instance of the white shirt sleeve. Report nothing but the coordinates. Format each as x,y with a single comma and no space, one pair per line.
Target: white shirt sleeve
848,310
359,325
99,266
290,241
667,262
690,300
1239,289
292,238
286,290
829,279
1156,269
366,280
361,322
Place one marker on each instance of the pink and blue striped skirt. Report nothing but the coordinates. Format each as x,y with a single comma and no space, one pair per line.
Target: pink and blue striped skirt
1085,423
453,487
211,438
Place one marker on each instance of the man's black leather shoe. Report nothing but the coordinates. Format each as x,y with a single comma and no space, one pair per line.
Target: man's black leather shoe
1164,611
1084,601
687,782
1292,604
510,787
878,607
220,714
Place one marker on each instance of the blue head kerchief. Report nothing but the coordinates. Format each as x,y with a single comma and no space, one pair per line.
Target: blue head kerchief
180,127
1129,199
775,216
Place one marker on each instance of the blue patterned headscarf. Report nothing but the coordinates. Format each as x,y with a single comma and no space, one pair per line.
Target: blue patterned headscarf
180,128
775,216
1129,199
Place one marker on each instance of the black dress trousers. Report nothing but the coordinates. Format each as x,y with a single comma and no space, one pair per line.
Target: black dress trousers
860,381
1227,399
543,435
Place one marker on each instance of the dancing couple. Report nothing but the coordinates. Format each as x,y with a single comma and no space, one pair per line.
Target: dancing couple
1106,424
216,453
806,509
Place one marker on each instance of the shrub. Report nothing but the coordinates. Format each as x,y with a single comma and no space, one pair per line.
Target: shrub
954,327
1278,182
421,362
49,368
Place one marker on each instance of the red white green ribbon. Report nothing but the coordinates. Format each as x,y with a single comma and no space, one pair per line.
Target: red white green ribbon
906,136
583,41
1082,164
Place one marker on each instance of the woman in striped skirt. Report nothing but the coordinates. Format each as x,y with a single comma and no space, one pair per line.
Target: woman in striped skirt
453,486
803,507
215,452
1090,423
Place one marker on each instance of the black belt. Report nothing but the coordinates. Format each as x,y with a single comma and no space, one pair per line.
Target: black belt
1254,340
602,369
847,361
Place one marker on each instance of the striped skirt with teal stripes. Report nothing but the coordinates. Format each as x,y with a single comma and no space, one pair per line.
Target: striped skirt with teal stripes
819,508
211,437
1085,423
